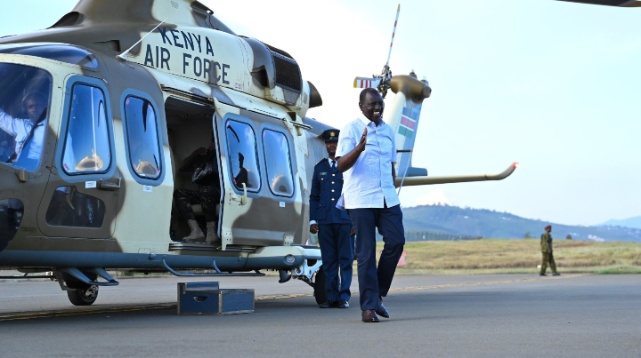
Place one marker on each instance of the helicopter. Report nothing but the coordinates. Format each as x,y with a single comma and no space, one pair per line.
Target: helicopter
128,90
620,3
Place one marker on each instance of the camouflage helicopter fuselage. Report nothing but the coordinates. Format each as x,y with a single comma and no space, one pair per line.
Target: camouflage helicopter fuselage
159,78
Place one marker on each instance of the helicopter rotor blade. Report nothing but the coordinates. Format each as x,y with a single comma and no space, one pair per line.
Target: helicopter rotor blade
381,82
389,54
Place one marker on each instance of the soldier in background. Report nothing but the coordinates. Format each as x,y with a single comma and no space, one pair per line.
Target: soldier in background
546,251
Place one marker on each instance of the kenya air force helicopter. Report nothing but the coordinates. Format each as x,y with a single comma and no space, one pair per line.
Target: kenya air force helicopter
128,89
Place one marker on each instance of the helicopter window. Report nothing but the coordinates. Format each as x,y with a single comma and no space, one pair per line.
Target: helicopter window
24,100
59,52
142,137
278,164
68,207
86,148
241,140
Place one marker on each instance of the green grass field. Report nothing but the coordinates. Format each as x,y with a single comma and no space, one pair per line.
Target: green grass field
518,256
487,256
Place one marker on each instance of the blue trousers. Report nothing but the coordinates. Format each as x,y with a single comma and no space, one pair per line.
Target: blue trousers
337,252
374,282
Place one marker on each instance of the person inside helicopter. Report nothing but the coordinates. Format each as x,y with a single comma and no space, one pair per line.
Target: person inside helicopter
203,166
28,131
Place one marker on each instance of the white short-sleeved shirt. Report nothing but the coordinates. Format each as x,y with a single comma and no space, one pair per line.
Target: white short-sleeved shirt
369,183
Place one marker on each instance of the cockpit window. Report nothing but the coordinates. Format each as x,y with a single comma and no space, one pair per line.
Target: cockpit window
24,101
86,148
60,52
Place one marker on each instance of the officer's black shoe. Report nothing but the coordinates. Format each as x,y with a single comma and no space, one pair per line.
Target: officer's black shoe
343,304
328,304
381,310
542,274
556,274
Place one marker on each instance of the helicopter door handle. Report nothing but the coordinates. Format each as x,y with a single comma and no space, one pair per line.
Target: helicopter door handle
111,185
242,199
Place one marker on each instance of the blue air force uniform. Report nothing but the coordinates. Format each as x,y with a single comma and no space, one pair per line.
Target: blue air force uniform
337,247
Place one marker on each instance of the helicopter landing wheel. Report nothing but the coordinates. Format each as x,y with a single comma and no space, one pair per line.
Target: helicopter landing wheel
320,294
83,296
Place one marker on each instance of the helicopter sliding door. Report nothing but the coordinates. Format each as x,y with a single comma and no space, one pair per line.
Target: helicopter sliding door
80,200
262,200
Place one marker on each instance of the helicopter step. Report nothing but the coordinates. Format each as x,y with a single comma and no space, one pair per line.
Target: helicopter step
193,246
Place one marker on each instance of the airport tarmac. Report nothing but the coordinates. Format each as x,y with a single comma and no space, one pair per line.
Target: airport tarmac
431,316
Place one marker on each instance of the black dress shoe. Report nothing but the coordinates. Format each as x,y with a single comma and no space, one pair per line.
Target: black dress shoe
343,304
381,310
369,316
328,304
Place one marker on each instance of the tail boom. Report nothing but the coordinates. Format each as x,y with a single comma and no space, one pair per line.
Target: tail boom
405,111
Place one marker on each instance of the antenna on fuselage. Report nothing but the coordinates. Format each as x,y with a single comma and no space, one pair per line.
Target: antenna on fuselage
122,55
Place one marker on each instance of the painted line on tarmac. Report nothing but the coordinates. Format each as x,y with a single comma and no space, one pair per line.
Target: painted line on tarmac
83,311
172,305
485,283
71,312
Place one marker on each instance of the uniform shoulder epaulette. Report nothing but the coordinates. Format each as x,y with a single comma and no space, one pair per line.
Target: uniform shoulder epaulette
320,161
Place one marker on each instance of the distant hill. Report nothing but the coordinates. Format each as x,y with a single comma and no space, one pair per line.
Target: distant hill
633,222
485,223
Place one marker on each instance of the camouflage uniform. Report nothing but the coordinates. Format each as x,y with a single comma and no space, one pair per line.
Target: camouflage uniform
546,251
208,193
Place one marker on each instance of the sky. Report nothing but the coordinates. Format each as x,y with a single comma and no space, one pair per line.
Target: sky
549,84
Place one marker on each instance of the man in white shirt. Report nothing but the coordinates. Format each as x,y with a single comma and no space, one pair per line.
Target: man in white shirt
28,132
366,156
